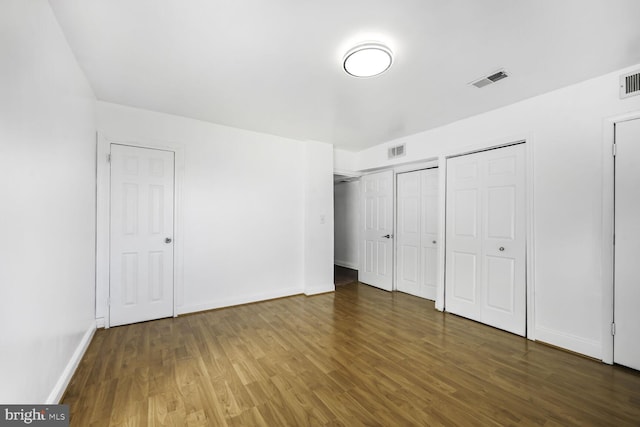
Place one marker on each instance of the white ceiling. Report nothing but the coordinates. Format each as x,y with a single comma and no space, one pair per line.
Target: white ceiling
275,66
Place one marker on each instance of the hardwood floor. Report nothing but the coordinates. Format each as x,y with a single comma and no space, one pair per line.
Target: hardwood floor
344,276
359,356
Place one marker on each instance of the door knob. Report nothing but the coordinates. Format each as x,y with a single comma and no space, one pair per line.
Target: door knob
501,248
434,242
167,240
388,236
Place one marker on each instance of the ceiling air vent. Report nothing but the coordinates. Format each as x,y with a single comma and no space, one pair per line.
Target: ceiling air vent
397,151
630,84
484,81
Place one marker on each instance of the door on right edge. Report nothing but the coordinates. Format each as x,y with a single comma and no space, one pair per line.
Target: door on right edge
485,272
626,341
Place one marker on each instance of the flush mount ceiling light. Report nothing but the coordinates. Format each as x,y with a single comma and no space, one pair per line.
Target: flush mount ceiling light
368,59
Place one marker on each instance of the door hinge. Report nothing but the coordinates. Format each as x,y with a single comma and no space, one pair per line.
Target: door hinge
613,329
108,158
613,150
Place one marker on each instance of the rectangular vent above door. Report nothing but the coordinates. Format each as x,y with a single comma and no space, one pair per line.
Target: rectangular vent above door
630,84
492,78
397,151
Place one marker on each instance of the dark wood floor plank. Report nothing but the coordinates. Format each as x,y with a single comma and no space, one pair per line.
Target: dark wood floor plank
359,356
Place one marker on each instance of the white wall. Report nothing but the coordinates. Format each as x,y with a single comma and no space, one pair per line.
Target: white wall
47,215
318,238
344,161
346,214
566,130
245,196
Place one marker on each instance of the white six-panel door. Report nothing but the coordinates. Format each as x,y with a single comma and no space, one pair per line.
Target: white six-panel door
376,222
626,347
417,228
485,273
408,232
141,246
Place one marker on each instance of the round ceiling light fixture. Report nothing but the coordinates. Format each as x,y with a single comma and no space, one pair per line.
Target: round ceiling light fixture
368,59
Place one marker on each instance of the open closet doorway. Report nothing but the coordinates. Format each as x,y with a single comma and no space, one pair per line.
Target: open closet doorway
346,196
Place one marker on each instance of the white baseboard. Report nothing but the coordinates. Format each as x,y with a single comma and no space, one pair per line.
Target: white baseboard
570,342
62,383
345,264
244,299
320,289
100,323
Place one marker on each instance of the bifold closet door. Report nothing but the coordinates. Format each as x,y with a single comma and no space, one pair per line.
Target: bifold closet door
485,273
417,230
626,341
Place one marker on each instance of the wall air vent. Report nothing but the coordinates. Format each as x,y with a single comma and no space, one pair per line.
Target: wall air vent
630,84
397,151
490,79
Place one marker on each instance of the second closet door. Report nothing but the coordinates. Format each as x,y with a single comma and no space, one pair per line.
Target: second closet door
485,276
417,231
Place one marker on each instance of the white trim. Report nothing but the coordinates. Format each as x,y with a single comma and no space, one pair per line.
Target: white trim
245,299
530,239
570,342
100,323
442,223
102,229
345,264
608,218
416,166
486,145
320,289
359,231
608,183
411,165
65,377
529,200
394,219
102,220
348,173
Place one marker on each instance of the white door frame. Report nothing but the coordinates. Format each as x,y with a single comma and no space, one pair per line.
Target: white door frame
103,209
529,201
608,219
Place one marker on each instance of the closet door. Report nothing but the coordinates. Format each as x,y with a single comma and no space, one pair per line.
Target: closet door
409,232
429,230
485,277
376,248
463,236
626,347
417,229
